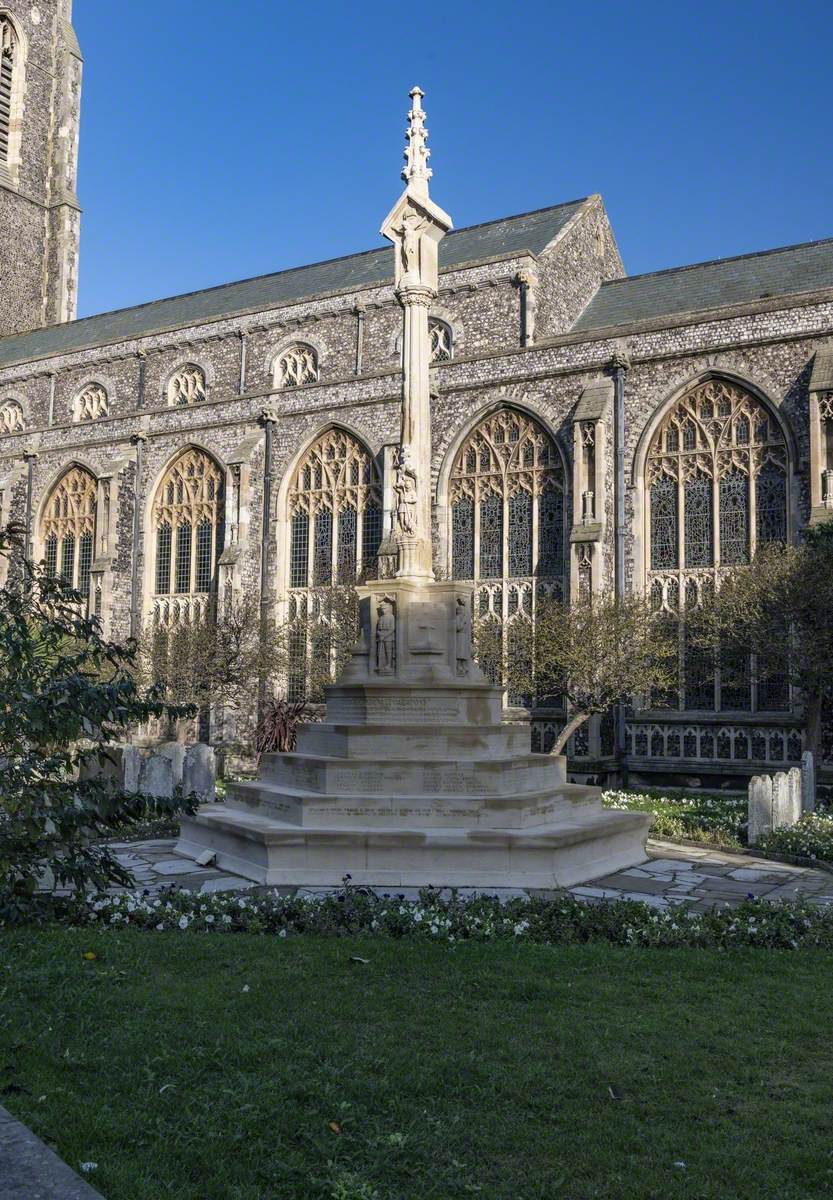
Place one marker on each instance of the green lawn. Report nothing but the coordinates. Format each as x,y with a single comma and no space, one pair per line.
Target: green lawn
505,1072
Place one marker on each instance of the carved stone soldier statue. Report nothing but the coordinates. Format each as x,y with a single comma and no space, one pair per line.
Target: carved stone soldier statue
385,638
462,624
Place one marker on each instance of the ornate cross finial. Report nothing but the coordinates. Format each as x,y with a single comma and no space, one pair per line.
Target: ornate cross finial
416,172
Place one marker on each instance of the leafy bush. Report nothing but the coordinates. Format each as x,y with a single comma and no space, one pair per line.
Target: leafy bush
811,837
442,917
66,695
706,817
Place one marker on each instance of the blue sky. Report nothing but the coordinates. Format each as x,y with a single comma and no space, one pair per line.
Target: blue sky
224,140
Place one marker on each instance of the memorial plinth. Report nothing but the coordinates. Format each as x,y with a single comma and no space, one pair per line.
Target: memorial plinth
413,778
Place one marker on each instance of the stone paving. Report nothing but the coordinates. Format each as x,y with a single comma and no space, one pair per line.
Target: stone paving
671,874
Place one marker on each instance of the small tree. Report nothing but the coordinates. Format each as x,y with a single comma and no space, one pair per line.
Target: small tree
66,696
595,654
778,608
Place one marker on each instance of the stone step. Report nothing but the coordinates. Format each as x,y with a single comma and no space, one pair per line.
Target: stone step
560,854
421,741
302,808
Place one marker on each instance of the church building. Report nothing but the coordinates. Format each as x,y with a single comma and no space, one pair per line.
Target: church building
592,431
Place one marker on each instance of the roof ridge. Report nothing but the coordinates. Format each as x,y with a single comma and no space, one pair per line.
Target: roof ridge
711,262
324,262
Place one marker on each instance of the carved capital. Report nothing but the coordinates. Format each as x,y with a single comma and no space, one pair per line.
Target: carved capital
526,277
620,359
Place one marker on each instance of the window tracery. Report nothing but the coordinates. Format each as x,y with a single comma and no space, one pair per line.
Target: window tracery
186,386
508,534
297,365
335,529
67,529
11,418
188,524
441,340
716,487
91,403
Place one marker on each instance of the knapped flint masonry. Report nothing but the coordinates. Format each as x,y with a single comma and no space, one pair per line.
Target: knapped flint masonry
413,778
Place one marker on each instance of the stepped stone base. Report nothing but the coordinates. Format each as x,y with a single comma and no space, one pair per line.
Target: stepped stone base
413,780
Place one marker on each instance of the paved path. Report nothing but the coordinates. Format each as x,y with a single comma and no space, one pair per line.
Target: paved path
29,1170
671,875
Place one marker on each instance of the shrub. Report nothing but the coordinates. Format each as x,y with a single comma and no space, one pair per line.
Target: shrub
810,837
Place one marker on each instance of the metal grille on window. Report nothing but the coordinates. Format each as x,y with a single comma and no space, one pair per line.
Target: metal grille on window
664,532
371,539
188,519
183,558
734,519
202,581
85,563
718,431
67,528
506,496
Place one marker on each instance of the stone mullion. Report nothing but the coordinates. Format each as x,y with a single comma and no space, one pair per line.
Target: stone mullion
535,548
476,495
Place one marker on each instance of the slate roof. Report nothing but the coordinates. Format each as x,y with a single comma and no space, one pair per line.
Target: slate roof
531,231
821,379
784,272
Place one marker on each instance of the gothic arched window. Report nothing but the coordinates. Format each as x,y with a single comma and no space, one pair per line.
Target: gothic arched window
188,530
296,365
9,52
91,403
11,417
335,528
508,518
717,477
67,528
186,386
441,340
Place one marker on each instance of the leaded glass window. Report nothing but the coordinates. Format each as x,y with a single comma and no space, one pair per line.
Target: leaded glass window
771,505
188,516
718,466
664,532
68,528
734,519
697,510
507,527
440,337
297,365
335,530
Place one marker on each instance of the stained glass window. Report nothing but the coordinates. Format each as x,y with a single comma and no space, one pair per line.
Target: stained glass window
697,508
68,559
347,535
520,534
299,550
183,557
734,519
50,555
163,558
85,563
664,534
322,551
371,539
551,533
202,582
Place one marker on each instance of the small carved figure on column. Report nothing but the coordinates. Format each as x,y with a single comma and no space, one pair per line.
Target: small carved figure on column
405,486
385,638
462,625
410,242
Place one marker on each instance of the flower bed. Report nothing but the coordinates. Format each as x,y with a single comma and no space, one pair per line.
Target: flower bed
811,837
559,921
704,817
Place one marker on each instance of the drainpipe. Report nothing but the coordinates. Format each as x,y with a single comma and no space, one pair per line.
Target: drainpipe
29,457
267,419
620,363
138,440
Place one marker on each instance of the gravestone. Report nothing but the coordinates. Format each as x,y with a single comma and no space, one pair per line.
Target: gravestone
156,777
760,808
131,764
808,782
175,751
199,772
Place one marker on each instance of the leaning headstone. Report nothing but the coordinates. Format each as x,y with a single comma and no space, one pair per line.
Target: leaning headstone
199,772
760,808
157,776
175,751
793,795
131,765
808,782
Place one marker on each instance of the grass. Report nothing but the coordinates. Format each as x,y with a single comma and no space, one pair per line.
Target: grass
487,1070
713,817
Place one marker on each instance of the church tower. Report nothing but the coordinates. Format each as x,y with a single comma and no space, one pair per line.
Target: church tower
40,97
